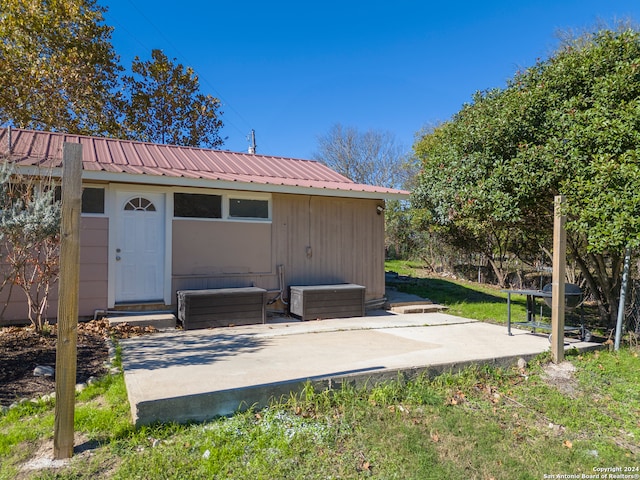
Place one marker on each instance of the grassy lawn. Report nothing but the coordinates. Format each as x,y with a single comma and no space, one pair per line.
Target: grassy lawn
482,423
466,299
479,424
480,302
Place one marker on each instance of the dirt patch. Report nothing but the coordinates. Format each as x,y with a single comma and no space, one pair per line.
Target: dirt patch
561,376
22,349
42,457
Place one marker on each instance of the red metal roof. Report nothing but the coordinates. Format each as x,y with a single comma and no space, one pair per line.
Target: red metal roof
44,149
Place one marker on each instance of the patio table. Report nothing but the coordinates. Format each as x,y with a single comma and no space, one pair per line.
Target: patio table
531,321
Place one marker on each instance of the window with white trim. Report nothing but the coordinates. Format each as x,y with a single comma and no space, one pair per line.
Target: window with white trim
93,200
248,208
222,206
196,205
140,204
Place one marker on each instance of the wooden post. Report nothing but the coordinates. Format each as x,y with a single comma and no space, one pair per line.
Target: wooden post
557,282
66,349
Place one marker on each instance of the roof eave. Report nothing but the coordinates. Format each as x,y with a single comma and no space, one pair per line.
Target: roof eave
241,186
170,181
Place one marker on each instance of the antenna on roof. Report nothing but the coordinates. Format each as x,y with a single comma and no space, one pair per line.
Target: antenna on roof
251,138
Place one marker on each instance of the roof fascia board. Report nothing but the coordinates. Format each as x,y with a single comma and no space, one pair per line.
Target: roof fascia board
230,185
131,178
31,170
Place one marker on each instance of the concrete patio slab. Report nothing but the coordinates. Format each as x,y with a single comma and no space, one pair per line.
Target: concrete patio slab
197,375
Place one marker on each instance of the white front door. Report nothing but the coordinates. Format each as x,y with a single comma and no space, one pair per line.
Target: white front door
139,247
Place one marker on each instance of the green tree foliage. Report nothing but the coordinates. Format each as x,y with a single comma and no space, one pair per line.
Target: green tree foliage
165,104
569,124
58,69
478,185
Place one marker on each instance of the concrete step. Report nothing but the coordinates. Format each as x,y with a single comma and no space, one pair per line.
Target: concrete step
417,308
149,307
161,321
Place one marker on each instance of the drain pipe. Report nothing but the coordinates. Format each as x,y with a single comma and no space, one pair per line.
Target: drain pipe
281,286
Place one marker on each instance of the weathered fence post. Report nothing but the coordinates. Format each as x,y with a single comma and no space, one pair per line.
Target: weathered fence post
557,282
66,348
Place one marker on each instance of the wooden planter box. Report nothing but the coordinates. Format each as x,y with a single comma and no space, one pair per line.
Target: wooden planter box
221,307
327,301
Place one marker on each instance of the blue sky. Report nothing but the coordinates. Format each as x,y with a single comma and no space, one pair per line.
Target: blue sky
291,70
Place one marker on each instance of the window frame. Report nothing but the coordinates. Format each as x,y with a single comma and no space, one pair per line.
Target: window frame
105,201
189,217
240,197
226,197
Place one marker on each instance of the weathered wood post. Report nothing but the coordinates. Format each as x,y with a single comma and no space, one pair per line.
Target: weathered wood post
66,348
557,281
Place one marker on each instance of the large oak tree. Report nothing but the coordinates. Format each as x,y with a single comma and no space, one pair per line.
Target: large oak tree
59,72
58,69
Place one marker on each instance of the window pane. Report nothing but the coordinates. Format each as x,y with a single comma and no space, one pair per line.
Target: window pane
140,204
197,205
243,208
93,200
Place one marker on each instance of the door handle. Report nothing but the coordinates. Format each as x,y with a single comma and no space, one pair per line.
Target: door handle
117,258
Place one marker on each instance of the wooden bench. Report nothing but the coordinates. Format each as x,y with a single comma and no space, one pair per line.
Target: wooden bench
311,302
221,307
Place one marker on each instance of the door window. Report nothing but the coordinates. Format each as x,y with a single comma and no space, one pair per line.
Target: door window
140,203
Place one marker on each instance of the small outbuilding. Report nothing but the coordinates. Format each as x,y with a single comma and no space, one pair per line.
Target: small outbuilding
158,219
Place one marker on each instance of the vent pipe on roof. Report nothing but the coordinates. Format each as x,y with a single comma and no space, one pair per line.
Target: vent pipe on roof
252,141
9,139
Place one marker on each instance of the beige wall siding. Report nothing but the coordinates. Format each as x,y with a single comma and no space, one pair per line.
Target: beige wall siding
318,240
94,257
344,237
217,247
93,276
219,254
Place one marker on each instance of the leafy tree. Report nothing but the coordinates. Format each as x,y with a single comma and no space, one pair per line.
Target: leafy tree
372,157
406,234
58,69
472,187
569,124
29,238
165,104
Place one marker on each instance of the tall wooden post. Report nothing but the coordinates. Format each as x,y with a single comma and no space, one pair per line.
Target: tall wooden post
557,282
66,349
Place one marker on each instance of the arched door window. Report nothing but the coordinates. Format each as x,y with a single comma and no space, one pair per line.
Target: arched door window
140,204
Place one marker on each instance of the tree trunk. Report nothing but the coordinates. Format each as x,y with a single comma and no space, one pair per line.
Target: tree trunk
604,287
499,272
